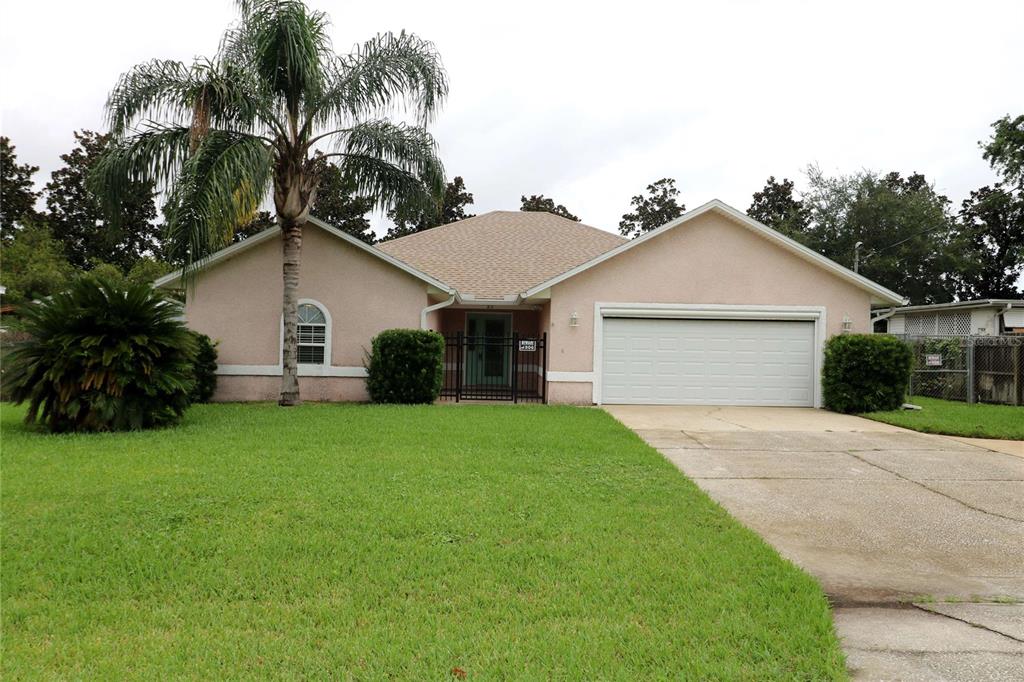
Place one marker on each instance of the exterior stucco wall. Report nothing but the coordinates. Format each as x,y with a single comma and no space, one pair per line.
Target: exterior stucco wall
238,303
316,389
710,260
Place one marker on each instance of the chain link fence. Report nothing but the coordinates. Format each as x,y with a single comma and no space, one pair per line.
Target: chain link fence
974,369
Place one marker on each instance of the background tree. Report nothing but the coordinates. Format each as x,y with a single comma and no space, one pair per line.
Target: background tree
338,204
1005,150
653,211
992,220
905,226
777,207
34,265
260,221
17,196
991,245
222,133
412,219
540,203
89,235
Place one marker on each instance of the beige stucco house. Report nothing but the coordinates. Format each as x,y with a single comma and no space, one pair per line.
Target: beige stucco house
711,308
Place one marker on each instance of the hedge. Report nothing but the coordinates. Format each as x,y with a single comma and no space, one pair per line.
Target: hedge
865,372
405,366
204,369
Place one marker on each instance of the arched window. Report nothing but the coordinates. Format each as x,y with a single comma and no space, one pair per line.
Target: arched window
312,335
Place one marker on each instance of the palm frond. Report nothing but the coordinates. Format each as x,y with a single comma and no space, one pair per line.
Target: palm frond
394,163
153,154
159,88
385,73
288,46
223,179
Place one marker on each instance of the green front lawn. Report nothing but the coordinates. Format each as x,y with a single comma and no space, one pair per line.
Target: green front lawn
344,541
957,419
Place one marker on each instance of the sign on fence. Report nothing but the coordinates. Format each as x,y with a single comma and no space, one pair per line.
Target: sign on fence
933,360
527,345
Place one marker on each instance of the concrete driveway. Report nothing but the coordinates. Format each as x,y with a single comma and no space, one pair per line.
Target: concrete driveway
918,540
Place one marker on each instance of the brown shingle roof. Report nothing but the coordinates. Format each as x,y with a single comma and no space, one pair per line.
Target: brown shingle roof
501,253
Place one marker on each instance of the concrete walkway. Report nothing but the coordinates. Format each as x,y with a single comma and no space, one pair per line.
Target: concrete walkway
918,540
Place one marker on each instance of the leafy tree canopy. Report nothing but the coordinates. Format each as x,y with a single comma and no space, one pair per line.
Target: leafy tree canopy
991,244
412,219
87,233
17,196
905,228
777,207
652,211
34,264
1005,149
540,203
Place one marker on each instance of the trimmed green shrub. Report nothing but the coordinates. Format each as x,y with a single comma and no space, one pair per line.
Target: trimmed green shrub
405,366
204,369
865,372
103,356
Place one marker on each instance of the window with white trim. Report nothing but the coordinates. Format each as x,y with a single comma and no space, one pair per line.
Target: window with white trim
312,335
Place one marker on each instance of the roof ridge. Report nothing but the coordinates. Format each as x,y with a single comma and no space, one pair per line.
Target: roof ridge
579,223
431,229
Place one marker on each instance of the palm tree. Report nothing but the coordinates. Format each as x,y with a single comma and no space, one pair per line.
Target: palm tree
220,135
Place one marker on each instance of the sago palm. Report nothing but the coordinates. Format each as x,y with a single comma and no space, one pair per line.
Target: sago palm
265,117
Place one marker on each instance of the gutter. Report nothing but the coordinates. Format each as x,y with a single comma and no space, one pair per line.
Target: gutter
436,306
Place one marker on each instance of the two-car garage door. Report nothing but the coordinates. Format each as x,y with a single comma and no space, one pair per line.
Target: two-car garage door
708,362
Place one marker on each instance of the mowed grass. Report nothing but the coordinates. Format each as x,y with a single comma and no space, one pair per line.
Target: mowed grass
957,419
361,542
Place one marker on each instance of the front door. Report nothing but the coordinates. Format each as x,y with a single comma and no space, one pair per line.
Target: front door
488,349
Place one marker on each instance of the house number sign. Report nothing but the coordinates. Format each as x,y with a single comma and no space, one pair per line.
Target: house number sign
527,344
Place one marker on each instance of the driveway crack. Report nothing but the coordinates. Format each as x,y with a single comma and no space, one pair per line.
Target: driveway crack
971,623
900,476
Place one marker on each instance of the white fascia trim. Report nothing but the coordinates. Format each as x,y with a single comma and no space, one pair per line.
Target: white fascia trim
572,377
235,249
304,371
689,311
715,205
223,254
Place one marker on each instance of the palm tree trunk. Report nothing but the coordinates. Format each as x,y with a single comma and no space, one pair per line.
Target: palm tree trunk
292,246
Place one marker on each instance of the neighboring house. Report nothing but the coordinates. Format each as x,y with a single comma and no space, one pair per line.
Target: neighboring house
983,317
711,308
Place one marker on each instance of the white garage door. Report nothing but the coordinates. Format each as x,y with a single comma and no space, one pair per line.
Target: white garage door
708,362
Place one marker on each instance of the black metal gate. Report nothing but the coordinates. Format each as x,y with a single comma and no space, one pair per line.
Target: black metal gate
495,368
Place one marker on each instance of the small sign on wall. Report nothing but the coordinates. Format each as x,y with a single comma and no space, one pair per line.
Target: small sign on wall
933,360
527,345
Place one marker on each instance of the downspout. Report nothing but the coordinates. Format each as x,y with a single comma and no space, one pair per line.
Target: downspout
883,316
1001,324
432,308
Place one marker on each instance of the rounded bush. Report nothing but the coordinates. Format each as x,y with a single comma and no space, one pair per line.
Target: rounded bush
405,366
204,369
865,372
103,356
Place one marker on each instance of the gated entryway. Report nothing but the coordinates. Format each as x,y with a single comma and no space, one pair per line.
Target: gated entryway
494,365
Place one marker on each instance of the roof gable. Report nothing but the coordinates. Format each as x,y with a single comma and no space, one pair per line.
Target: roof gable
881,293
242,246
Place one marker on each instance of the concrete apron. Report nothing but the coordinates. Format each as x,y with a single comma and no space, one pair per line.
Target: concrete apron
917,540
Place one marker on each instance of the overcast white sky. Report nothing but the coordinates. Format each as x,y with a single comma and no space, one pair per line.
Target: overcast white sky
588,103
